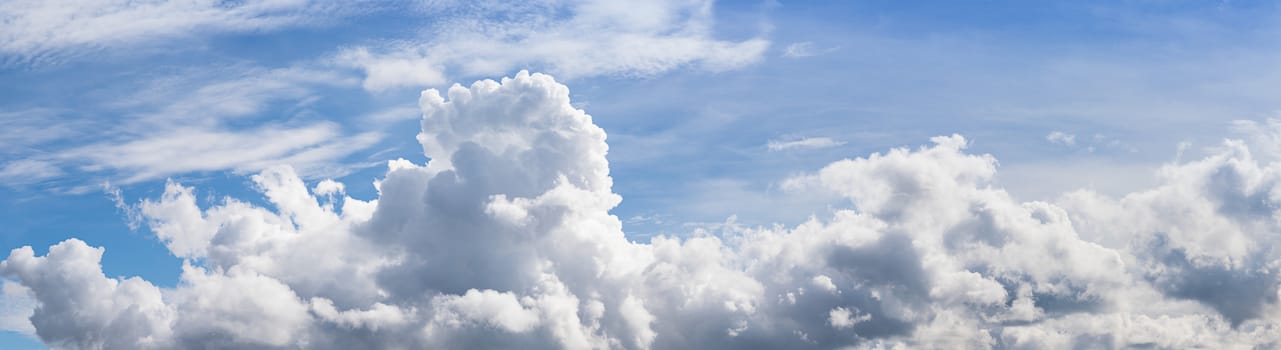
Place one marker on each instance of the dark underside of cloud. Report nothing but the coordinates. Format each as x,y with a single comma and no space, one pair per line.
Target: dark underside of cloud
504,240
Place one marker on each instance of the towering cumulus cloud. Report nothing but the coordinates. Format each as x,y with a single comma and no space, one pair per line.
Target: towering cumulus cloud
504,240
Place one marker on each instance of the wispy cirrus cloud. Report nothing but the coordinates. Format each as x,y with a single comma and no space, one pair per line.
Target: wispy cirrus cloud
226,118
311,148
34,31
569,38
803,143
805,49
28,171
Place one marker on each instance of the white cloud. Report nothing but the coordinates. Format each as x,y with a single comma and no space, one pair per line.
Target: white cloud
39,31
801,49
505,239
238,306
379,316
488,307
389,71
192,122
328,187
213,96
569,38
825,283
843,318
30,129
393,114
221,108
1098,143
310,148
25,171
1061,138
1263,136
805,49
79,307
804,143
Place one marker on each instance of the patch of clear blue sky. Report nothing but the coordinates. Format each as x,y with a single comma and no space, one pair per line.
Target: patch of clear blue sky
16,341
689,146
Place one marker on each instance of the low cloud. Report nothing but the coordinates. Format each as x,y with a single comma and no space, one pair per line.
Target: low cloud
504,239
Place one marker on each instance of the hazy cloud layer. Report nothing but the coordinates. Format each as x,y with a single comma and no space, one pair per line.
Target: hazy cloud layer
504,239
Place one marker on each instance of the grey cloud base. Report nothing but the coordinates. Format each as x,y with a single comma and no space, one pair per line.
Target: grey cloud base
504,240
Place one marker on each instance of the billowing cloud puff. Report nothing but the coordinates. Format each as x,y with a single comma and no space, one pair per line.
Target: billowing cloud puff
504,240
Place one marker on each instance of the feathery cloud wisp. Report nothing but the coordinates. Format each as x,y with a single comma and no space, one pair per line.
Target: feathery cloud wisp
805,143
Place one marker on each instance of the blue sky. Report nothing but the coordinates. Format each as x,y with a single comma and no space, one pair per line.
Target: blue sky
701,128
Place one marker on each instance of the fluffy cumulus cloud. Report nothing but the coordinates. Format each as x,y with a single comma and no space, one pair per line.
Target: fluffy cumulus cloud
504,239
568,38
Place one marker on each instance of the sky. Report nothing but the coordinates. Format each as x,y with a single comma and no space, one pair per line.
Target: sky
643,175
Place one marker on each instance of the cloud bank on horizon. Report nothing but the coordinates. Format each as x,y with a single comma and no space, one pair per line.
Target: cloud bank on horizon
504,239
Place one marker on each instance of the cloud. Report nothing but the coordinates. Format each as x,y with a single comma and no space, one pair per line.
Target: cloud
29,130
1262,136
393,114
214,96
26,171
805,143
194,121
842,318
570,39
79,307
1061,138
801,49
1098,143
504,239
227,106
310,148
384,72
806,49
36,31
